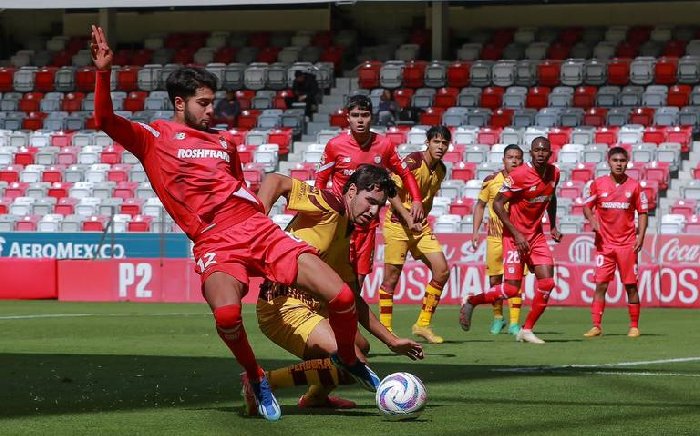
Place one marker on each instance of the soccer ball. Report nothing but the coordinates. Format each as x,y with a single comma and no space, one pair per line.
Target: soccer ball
401,396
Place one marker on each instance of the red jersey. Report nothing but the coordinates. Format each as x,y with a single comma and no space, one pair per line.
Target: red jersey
196,174
343,155
615,205
528,196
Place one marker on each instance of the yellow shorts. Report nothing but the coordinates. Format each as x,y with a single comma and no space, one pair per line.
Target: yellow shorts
494,257
398,241
288,322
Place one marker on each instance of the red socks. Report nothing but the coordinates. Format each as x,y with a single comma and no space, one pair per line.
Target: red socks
229,326
633,309
539,303
597,309
498,292
342,316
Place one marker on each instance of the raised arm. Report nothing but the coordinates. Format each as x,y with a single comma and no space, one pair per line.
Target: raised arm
409,182
131,136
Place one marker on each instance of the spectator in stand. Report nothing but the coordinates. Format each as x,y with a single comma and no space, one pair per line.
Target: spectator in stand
387,109
227,109
306,90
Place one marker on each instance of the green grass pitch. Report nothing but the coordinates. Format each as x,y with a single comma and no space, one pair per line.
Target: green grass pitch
123,368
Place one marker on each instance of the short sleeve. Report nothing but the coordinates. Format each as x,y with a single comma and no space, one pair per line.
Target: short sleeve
590,193
642,201
306,198
484,193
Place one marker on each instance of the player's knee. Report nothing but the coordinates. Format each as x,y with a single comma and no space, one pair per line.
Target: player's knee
441,274
510,290
228,317
545,285
343,301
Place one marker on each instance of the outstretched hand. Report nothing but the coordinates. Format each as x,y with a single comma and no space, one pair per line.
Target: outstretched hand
99,48
407,347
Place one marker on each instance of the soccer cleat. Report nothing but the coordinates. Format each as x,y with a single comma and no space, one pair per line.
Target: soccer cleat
427,334
527,336
362,373
633,332
259,398
329,402
497,325
465,314
593,332
513,329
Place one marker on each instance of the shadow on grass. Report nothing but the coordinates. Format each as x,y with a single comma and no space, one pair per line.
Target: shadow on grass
45,384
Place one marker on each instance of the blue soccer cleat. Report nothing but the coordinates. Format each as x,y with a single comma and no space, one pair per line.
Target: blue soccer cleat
259,398
360,372
497,325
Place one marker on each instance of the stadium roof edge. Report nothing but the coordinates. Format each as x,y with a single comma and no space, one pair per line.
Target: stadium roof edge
92,4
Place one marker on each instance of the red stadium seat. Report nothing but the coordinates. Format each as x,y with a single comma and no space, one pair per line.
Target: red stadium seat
281,137
488,135
402,97
25,156
4,205
396,135
27,223
30,102
675,48
16,189
682,135
135,100
537,97
685,207
10,174
558,51
131,206
665,71
548,73
678,95
7,76
570,189
571,35
583,172
94,223
123,57
651,189
462,206
413,74
59,191
642,115
268,54
334,55
491,51
125,190
34,121
338,119
245,153
692,224
119,173
458,74
464,171
61,139
595,117
225,55
577,205
627,50
584,96
139,223
43,80
67,156
141,58
445,97
657,135
696,172
127,78
85,79
492,97
618,71
432,116
659,172
454,154
253,175
72,102
502,117
53,173
368,75
303,171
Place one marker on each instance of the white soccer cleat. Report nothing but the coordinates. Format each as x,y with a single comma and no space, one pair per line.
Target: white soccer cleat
527,336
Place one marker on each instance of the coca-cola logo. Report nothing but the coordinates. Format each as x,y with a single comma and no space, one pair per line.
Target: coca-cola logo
582,250
675,252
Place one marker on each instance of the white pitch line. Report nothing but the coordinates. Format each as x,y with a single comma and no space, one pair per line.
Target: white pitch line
78,315
643,374
561,368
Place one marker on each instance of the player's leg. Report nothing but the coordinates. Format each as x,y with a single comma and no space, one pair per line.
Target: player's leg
494,269
224,293
604,273
429,251
320,280
627,264
363,241
544,285
392,274
510,287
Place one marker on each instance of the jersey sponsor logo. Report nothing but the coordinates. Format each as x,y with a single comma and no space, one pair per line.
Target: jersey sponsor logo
346,159
539,199
153,131
180,136
201,153
348,172
614,205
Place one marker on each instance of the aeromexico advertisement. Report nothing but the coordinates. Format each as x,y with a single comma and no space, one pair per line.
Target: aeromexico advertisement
150,267
93,245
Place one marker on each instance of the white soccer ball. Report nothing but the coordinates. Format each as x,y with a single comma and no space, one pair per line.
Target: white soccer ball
401,396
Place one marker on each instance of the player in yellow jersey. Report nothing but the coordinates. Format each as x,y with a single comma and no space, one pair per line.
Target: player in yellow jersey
402,235
295,320
512,157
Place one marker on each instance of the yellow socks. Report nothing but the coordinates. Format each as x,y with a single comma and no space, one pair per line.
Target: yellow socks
431,299
386,308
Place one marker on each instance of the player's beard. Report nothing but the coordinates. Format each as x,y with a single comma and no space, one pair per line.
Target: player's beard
192,122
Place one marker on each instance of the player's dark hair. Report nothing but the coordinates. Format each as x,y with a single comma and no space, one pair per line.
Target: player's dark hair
510,147
439,130
359,101
618,150
540,138
370,177
185,81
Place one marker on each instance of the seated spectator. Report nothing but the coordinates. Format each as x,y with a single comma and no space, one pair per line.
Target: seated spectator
306,90
227,109
387,109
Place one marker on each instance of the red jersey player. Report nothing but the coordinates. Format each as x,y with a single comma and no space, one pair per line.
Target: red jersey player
530,191
349,150
196,173
616,197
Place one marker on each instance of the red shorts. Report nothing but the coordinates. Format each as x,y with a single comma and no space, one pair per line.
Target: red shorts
513,263
621,258
362,244
255,247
